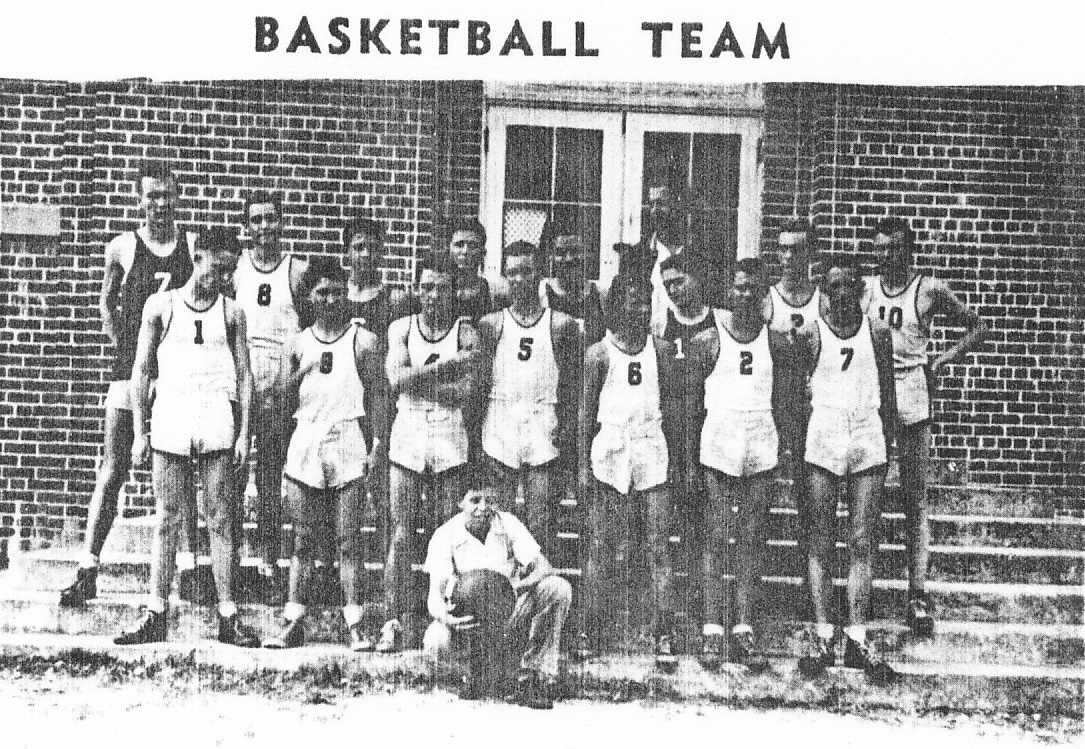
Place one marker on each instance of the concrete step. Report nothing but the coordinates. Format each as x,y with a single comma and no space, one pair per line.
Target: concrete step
924,685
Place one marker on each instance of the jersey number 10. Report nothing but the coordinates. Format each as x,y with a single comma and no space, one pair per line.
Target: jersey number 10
896,316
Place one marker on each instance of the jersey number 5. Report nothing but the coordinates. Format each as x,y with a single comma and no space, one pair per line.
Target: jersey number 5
525,348
634,376
263,294
326,362
847,353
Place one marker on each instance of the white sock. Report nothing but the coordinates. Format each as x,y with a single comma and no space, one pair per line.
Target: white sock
741,629
856,632
712,629
352,614
293,611
156,604
227,609
90,561
826,631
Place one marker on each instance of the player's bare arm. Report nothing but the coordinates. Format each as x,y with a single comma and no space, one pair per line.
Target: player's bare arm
489,331
595,367
111,287
942,301
883,357
440,608
568,348
155,312
405,376
297,272
671,399
368,360
534,572
237,338
704,350
465,388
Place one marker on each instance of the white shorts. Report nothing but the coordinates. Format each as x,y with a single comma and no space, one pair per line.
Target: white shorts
520,434
630,459
326,456
420,439
913,396
843,442
740,443
193,426
265,369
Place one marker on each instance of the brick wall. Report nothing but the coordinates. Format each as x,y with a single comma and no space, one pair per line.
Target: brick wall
331,148
990,180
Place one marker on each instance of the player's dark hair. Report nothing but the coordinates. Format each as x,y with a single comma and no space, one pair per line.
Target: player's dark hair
217,239
153,169
525,249
689,263
366,226
465,224
319,268
438,262
896,225
263,197
843,261
623,284
751,266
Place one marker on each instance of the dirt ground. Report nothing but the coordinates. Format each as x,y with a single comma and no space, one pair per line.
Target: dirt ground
52,709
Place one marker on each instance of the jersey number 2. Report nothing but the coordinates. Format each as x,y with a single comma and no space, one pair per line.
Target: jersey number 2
745,363
263,294
525,348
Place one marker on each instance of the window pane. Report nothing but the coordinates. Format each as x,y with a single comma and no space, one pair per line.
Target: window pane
715,166
528,158
666,162
522,222
579,165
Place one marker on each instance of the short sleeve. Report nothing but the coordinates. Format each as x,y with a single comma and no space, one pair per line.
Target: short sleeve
525,548
439,564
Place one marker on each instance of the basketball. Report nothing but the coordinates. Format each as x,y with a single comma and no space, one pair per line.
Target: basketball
485,594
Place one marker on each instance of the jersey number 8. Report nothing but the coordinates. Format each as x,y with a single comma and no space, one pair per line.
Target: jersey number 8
263,294
326,362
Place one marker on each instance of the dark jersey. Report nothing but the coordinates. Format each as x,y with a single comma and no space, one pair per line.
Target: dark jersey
374,314
474,301
587,307
148,274
680,333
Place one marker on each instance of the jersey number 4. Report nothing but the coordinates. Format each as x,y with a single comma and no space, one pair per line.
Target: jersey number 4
263,294
525,348
896,316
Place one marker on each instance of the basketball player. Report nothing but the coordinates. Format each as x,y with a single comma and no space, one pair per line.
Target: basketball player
467,246
734,367
154,257
669,236
631,399
907,302
569,291
482,536
370,297
530,353
334,372
267,283
197,337
432,367
850,425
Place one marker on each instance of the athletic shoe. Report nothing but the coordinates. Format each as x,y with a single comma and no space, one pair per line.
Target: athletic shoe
531,690
292,635
151,629
391,637
818,659
857,655
197,585
359,640
666,660
741,652
83,589
920,620
233,632
711,651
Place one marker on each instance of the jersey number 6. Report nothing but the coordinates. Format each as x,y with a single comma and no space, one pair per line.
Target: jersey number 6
634,376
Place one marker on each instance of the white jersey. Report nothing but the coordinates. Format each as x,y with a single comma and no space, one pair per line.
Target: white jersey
421,351
787,317
270,315
901,313
331,390
195,363
630,394
845,377
525,369
741,380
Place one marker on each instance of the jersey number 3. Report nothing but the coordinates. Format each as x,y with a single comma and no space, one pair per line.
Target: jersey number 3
525,348
263,294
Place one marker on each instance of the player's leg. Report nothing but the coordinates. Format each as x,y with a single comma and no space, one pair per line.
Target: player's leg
404,508
112,474
539,506
719,529
543,611
348,530
864,506
657,506
448,490
606,581
271,443
505,479
219,483
914,455
820,547
753,509
303,507
172,476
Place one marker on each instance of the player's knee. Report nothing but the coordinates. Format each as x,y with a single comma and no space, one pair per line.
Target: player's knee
556,589
860,544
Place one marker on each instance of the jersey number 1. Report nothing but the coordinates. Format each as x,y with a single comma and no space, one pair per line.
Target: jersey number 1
199,332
